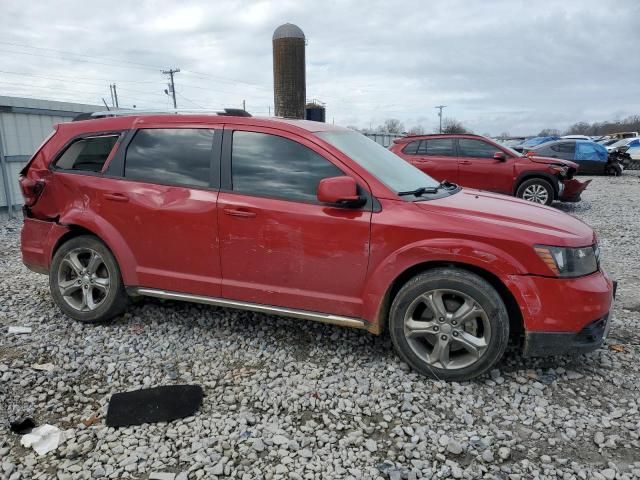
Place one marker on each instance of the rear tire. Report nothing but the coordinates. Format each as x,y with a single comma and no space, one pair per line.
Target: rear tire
85,281
449,324
536,190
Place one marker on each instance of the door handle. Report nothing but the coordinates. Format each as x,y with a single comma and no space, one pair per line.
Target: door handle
239,212
465,162
116,197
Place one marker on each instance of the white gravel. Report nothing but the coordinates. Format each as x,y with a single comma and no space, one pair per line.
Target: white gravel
294,400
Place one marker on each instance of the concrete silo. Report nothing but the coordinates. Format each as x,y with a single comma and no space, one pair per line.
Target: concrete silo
289,81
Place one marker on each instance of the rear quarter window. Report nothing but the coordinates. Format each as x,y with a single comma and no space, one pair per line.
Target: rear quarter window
87,154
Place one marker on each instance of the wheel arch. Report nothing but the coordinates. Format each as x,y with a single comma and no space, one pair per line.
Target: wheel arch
99,228
516,320
552,179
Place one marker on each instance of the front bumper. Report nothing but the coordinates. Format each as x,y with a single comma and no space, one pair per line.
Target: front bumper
589,338
572,190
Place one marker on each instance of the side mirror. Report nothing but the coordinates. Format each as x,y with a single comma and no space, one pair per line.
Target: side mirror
339,191
500,156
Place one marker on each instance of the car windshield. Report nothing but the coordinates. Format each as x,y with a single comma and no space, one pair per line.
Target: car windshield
386,166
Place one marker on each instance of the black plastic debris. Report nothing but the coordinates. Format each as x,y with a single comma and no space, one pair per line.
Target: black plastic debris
22,426
160,404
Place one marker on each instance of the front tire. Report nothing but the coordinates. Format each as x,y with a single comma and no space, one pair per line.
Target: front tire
536,190
449,324
85,281
614,169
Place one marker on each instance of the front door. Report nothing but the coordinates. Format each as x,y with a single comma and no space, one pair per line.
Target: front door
164,209
279,245
479,169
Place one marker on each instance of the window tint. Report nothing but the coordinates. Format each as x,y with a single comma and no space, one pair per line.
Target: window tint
438,147
173,156
411,149
476,148
88,154
272,166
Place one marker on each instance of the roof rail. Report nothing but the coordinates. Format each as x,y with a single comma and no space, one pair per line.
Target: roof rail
231,112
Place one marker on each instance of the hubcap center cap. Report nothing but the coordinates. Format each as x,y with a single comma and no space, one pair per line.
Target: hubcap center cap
446,328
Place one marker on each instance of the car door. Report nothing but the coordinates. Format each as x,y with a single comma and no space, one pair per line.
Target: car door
479,169
564,150
279,245
436,157
160,197
589,158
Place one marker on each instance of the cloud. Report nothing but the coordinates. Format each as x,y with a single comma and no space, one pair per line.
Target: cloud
498,65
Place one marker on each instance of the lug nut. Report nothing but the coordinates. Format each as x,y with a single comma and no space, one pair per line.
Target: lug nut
453,322
455,334
436,328
443,337
441,319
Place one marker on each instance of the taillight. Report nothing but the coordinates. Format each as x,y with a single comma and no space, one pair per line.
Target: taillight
31,190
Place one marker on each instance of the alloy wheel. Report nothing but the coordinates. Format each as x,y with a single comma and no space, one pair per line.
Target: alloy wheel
447,329
536,193
83,279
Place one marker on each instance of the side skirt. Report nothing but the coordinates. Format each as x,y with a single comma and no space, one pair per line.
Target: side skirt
254,307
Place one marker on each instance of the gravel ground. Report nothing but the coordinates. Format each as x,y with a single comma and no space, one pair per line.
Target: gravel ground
291,399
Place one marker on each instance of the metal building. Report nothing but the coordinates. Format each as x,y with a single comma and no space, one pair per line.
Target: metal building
24,124
316,111
289,80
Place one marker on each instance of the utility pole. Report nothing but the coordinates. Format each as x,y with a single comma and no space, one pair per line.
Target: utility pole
244,106
114,95
113,102
172,86
440,115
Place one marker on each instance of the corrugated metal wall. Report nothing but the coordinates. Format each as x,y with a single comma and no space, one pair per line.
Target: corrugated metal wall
24,124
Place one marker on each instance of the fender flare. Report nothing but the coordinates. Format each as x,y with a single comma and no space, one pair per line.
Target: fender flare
99,227
439,251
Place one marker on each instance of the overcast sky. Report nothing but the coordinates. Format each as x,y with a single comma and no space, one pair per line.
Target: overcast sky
499,66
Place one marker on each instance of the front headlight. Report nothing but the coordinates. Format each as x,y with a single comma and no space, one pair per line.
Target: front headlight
570,262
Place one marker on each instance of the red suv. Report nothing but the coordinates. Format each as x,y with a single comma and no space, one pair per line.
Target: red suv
478,162
306,220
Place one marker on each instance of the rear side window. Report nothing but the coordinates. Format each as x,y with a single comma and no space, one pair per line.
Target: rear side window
272,166
411,148
476,148
178,156
566,147
437,147
87,154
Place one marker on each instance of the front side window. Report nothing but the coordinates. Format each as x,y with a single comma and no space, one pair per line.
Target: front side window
87,154
476,148
566,147
272,166
176,156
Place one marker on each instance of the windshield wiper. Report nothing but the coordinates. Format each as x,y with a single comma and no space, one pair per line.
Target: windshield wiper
418,192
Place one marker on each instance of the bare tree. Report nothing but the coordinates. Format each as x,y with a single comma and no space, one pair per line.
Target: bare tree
451,125
549,132
392,125
416,130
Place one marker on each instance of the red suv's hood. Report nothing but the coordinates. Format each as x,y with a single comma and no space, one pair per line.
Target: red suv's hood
549,160
504,216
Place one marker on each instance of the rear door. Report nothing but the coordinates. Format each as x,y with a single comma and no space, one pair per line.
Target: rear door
435,156
479,169
160,197
589,158
279,245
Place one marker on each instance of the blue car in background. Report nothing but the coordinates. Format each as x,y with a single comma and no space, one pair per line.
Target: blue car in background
592,157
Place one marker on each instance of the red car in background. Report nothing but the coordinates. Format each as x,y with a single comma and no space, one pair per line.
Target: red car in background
477,162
